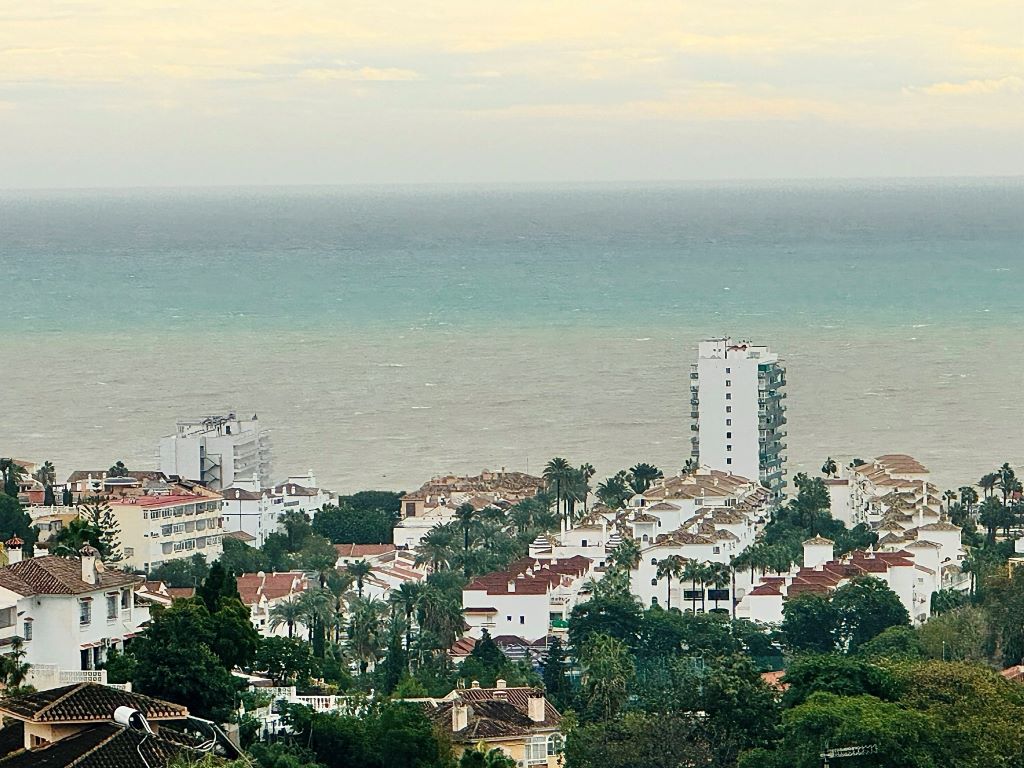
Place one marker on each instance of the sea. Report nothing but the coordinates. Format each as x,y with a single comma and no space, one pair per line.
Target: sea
389,334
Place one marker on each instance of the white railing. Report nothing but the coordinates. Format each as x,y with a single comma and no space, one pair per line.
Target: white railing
43,677
324,703
72,676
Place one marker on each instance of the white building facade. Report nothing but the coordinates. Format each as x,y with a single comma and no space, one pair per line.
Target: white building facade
70,613
217,451
736,394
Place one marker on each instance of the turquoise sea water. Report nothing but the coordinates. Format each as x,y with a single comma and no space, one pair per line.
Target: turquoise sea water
390,334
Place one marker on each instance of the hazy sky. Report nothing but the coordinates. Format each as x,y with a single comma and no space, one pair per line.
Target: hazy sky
96,92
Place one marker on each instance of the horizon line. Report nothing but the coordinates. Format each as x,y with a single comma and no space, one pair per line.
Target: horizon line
725,180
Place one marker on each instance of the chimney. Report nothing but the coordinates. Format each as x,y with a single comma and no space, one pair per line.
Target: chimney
511,586
501,683
460,717
535,708
13,546
90,574
475,684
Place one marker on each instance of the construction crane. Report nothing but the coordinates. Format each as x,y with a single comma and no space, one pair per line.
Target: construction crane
867,749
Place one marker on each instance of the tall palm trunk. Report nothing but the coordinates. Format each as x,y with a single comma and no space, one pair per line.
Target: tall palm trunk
693,595
668,593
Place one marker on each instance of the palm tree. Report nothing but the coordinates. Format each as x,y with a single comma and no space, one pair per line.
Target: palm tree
318,613
588,472
990,514
829,468
615,491
557,471
359,570
366,631
643,475
719,575
671,566
439,615
407,597
435,548
988,483
46,474
289,612
968,497
950,498
627,554
690,466
1008,482
693,571
465,515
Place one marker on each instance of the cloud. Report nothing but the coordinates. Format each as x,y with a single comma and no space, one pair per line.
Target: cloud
1009,84
362,74
698,102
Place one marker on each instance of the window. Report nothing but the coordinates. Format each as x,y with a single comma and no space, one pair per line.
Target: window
554,744
717,550
654,582
179,527
27,631
728,370
728,422
583,543
410,509
165,530
654,561
728,435
728,383
85,611
112,607
508,619
537,751
522,619
729,460
8,616
129,551
728,447
728,409
728,395
125,597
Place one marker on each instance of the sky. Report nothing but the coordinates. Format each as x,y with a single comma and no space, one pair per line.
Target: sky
138,93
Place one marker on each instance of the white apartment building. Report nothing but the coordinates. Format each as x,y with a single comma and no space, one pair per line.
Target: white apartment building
736,394
913,572
217,451
530,598
258,511
168,524
70,612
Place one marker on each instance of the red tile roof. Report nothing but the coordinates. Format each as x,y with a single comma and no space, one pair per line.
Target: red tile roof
86,702
52,575
252,586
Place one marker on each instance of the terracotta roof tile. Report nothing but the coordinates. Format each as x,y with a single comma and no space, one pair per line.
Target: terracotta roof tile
52,575
86,702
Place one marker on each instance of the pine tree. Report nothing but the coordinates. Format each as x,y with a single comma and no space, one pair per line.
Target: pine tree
98,513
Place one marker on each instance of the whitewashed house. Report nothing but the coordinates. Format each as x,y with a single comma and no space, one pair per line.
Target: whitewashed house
262,591
527,597
70,613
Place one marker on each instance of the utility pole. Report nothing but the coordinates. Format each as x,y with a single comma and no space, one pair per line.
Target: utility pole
869,749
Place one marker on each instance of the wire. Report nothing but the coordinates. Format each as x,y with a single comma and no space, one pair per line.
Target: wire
138,748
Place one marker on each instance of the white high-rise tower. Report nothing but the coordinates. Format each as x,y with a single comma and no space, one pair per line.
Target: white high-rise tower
217,451
736,394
